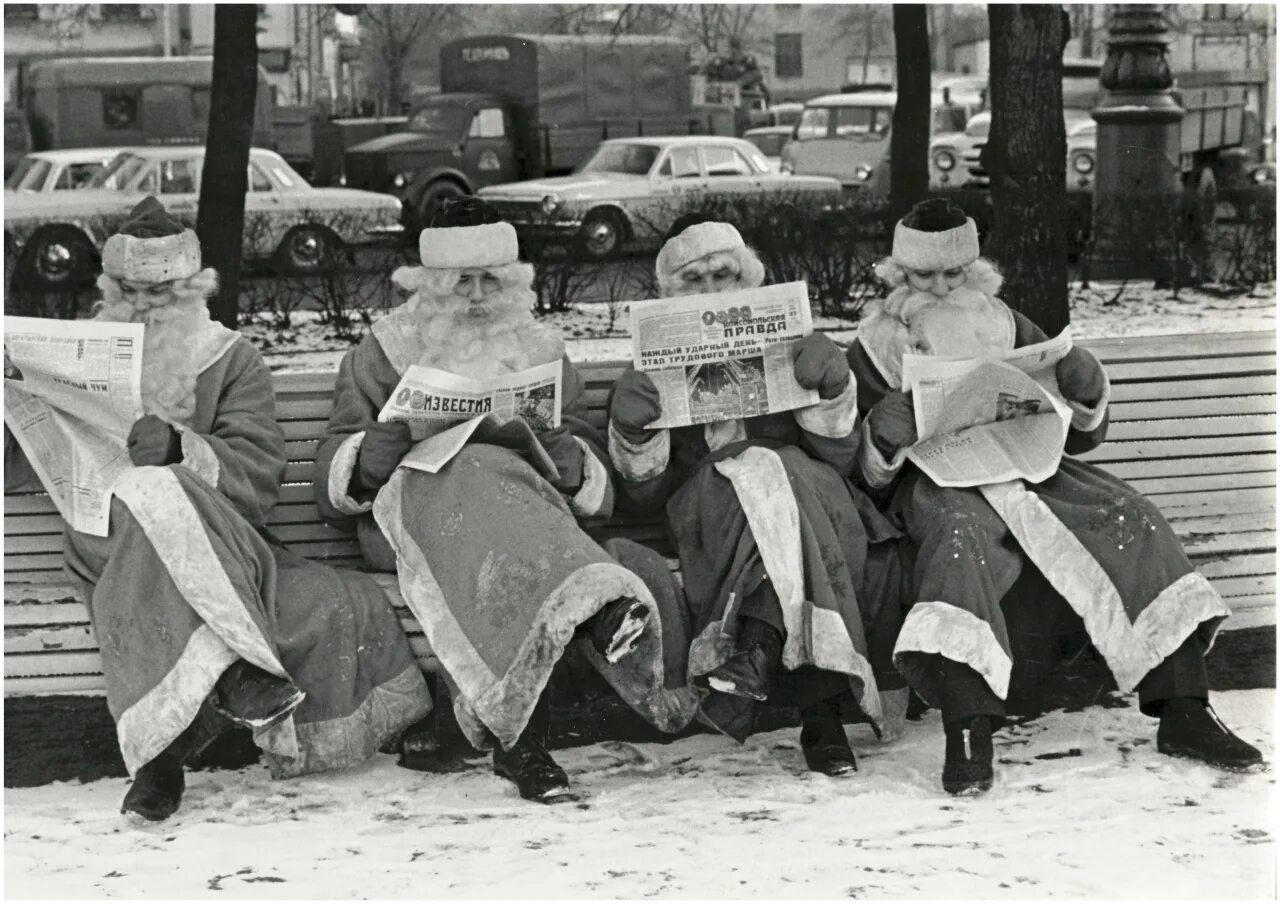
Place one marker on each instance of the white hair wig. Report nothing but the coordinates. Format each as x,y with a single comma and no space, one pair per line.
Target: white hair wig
750,270
433,282
982,275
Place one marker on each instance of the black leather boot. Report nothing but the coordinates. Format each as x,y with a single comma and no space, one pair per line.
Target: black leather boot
536,775
156,792
749,671
254,698
1190,728
823,740
615,629
967,769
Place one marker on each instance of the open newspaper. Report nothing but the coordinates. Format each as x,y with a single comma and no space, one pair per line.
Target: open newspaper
723,356
991,419
444,411
71,395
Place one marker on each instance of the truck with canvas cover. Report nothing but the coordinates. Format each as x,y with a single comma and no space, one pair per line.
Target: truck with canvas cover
517,107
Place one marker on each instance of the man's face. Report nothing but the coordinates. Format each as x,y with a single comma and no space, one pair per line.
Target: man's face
719,271
145,295
939,283
479,288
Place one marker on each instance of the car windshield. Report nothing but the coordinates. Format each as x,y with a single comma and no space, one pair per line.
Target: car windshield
30,175
949,117
119,171
439,119
630,159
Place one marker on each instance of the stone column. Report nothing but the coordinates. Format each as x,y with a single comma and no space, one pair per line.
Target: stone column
1138,190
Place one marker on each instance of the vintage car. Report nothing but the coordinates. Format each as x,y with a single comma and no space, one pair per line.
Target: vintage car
64,170
770,140
57,236
955,158
631,190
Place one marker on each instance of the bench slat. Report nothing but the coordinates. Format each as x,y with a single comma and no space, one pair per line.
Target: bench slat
1205,388
1239,425
1183,369
1220,406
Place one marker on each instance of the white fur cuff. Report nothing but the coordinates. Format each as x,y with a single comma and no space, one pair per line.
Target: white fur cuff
198,456
832,418
638,462
593,496
875,470
1087,419
340,471
944,250
152,260
489,245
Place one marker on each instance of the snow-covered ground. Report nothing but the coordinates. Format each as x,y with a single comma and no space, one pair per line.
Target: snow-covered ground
1084,807
594,333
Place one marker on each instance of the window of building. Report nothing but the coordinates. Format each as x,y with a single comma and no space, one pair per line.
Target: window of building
487,124
120,109
788,61
21,12
121,12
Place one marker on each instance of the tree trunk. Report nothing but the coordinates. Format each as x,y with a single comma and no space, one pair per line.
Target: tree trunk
1025,156
224,181
909,138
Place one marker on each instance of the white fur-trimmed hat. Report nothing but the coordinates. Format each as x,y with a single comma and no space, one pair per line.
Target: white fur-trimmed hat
935,235
151,247
697,241
457,247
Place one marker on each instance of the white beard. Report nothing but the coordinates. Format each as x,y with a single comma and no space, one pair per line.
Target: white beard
505,341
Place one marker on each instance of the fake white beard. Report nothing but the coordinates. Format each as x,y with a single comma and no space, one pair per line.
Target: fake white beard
965,323
505,340
168,366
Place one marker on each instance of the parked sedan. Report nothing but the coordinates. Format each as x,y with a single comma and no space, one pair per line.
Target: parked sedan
632,189
65,170
301,229
955,157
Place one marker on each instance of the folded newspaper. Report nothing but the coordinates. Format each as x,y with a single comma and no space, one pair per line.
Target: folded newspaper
71,395
723,356
991,419
444,411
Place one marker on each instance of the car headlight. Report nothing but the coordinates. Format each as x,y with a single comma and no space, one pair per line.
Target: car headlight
1261,175
342,179
862,173
944,160
550,204
1082,164
402,179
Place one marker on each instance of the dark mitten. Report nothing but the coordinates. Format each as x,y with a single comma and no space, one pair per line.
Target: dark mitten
568,456
819,364
635,406
1080,377
892,423
154,442
380,452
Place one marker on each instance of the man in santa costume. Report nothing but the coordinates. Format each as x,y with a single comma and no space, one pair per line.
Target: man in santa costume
999,567
489,551
201,618
785,563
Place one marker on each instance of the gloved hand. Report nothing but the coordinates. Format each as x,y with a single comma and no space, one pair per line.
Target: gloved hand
819,364
154,442
383,446
635,406
893,423
1080,377
568,456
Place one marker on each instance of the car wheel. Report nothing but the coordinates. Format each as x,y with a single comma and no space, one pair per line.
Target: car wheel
308,249
602,235
436,196
57,259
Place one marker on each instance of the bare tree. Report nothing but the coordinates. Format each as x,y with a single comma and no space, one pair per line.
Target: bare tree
391,33
1026,155
909,137
870,25
225,178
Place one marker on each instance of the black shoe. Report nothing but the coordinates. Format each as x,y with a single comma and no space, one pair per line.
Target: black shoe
967,769
615,629
157,789
749,671
734,717
1190,728
254,698
535,773
823,741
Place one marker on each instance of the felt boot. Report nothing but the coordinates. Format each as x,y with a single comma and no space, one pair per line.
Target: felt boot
254,698
749,671
967,769
823,740
536,775
615,629
1190,728
156,792
732,716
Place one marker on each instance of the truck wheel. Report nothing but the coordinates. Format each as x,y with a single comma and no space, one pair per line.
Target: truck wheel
602,235
57,259
307,250
436,196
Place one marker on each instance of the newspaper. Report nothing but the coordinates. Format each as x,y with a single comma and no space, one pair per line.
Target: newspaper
444,410
723,356
71,395
992,419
